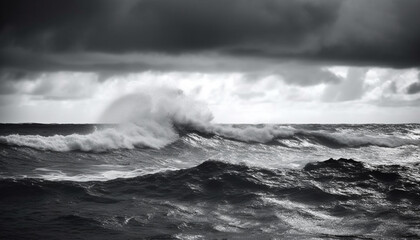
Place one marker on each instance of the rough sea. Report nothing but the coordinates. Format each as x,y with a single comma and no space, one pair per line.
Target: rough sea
190,181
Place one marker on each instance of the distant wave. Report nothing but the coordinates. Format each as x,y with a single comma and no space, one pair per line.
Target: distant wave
339,140
275,135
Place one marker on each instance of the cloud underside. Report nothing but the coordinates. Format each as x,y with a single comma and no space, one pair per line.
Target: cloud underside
104,35
248,59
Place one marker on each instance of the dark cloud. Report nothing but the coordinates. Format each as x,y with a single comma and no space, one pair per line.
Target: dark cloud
353,32
9,78
307,75
414,88
160,25
113,64
295,74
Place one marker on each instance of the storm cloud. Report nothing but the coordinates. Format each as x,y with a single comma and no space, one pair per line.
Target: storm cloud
351,32
251,61
414,87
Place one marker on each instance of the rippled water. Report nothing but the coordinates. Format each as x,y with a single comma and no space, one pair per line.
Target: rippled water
262,182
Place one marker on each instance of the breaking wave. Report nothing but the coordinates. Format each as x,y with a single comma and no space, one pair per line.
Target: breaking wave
159,117
233,180
145,119
126,137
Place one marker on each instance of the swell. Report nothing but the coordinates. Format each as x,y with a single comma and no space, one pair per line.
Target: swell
341,140
334,199
319,182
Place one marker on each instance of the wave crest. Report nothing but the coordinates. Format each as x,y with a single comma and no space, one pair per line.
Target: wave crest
145,119
154,118
126,137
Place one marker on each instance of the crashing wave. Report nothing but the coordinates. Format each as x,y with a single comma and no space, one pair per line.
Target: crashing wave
155,118
144,119
121,137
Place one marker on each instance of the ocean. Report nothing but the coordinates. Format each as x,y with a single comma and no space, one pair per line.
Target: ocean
166,180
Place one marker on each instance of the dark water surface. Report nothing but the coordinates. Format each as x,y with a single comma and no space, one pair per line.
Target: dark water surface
233,182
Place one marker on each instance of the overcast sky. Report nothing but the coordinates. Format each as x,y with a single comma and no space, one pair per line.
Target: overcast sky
265,61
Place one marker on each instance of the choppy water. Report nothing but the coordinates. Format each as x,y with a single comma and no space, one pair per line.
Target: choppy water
189,181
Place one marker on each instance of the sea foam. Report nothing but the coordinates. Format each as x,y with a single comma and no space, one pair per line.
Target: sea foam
152,119
144,119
